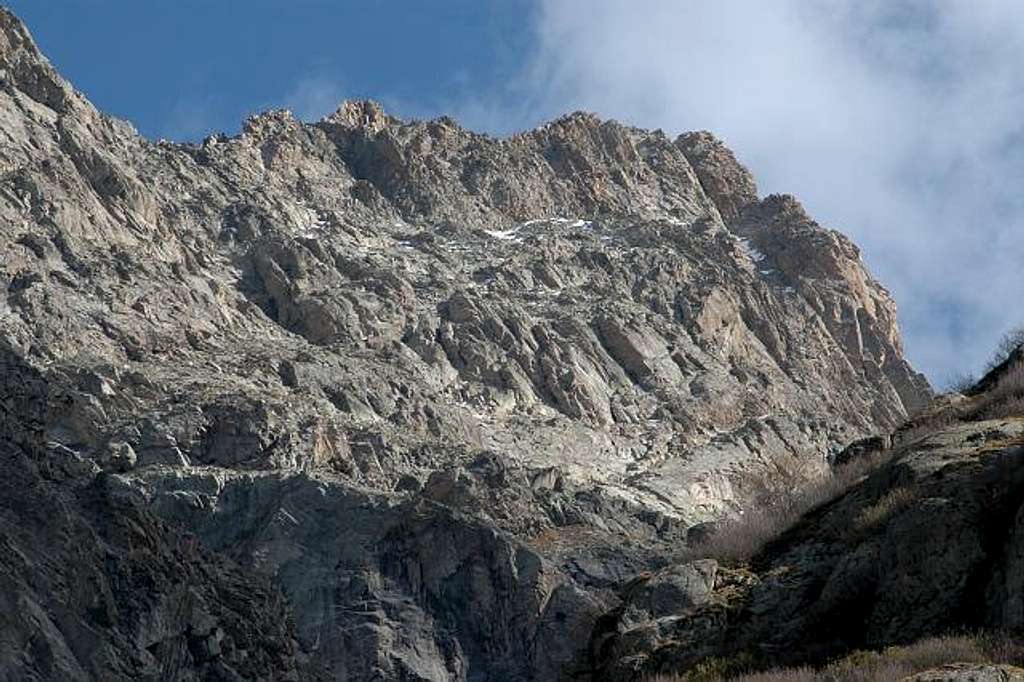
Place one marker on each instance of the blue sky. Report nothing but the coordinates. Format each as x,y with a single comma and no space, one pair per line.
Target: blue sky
897,122
184,68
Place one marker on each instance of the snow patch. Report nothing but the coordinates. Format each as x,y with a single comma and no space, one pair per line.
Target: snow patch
558,220
512,234
507,235
750,251
315,224
672,220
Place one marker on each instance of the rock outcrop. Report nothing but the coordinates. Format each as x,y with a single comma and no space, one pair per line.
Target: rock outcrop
928,543
443,392
94,586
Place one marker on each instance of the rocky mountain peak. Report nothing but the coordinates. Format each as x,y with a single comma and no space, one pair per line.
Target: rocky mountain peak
15,39
724,179
361,114
443,391
24,69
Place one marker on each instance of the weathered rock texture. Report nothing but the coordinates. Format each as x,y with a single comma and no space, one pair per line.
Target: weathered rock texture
929,543
93,586
443,391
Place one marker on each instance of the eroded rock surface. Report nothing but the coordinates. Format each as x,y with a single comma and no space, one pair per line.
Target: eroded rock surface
929,543
445,392
94,586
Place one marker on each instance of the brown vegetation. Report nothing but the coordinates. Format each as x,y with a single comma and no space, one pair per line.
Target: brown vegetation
775,511
1005,398
739,539
1010,343
878,513
887,665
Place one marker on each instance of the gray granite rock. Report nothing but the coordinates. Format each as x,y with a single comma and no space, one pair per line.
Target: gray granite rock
446,392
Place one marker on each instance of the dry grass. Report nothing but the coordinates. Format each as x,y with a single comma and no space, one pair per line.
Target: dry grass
1010,343
960,382
998,393
1005,398
888,665
737,540
926,425
881,511
896,663
1009,352
775,511
1011,382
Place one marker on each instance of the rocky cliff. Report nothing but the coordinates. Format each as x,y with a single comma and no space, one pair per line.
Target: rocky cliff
424,396
926,543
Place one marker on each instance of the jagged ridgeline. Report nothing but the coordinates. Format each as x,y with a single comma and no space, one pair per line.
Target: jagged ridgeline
381,399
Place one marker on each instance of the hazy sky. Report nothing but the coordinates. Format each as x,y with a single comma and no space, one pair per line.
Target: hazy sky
898,122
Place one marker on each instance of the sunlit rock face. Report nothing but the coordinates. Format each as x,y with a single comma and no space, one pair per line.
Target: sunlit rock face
441,393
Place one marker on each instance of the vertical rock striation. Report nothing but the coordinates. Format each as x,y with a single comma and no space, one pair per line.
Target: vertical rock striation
443,391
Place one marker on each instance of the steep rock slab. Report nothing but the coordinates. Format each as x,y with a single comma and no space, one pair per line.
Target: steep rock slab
93,586
928,544
560,348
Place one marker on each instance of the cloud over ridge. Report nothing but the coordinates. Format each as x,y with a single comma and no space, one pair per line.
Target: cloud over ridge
896,121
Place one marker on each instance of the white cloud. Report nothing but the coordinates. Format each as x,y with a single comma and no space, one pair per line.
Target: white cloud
896,121
314,97
191,118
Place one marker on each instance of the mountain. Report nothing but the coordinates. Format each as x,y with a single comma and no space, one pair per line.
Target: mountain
926,542
381,399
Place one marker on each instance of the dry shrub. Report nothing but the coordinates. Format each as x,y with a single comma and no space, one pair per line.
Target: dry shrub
723,413
775,512
1010,407
1010,343
804,674
1002,648
881,511
1010,383
888,665
926,425
881,672
960,382
1009,352
935,651
1005,398
898,662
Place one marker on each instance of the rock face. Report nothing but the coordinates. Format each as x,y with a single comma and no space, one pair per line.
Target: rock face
929,543
93,586
441,391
